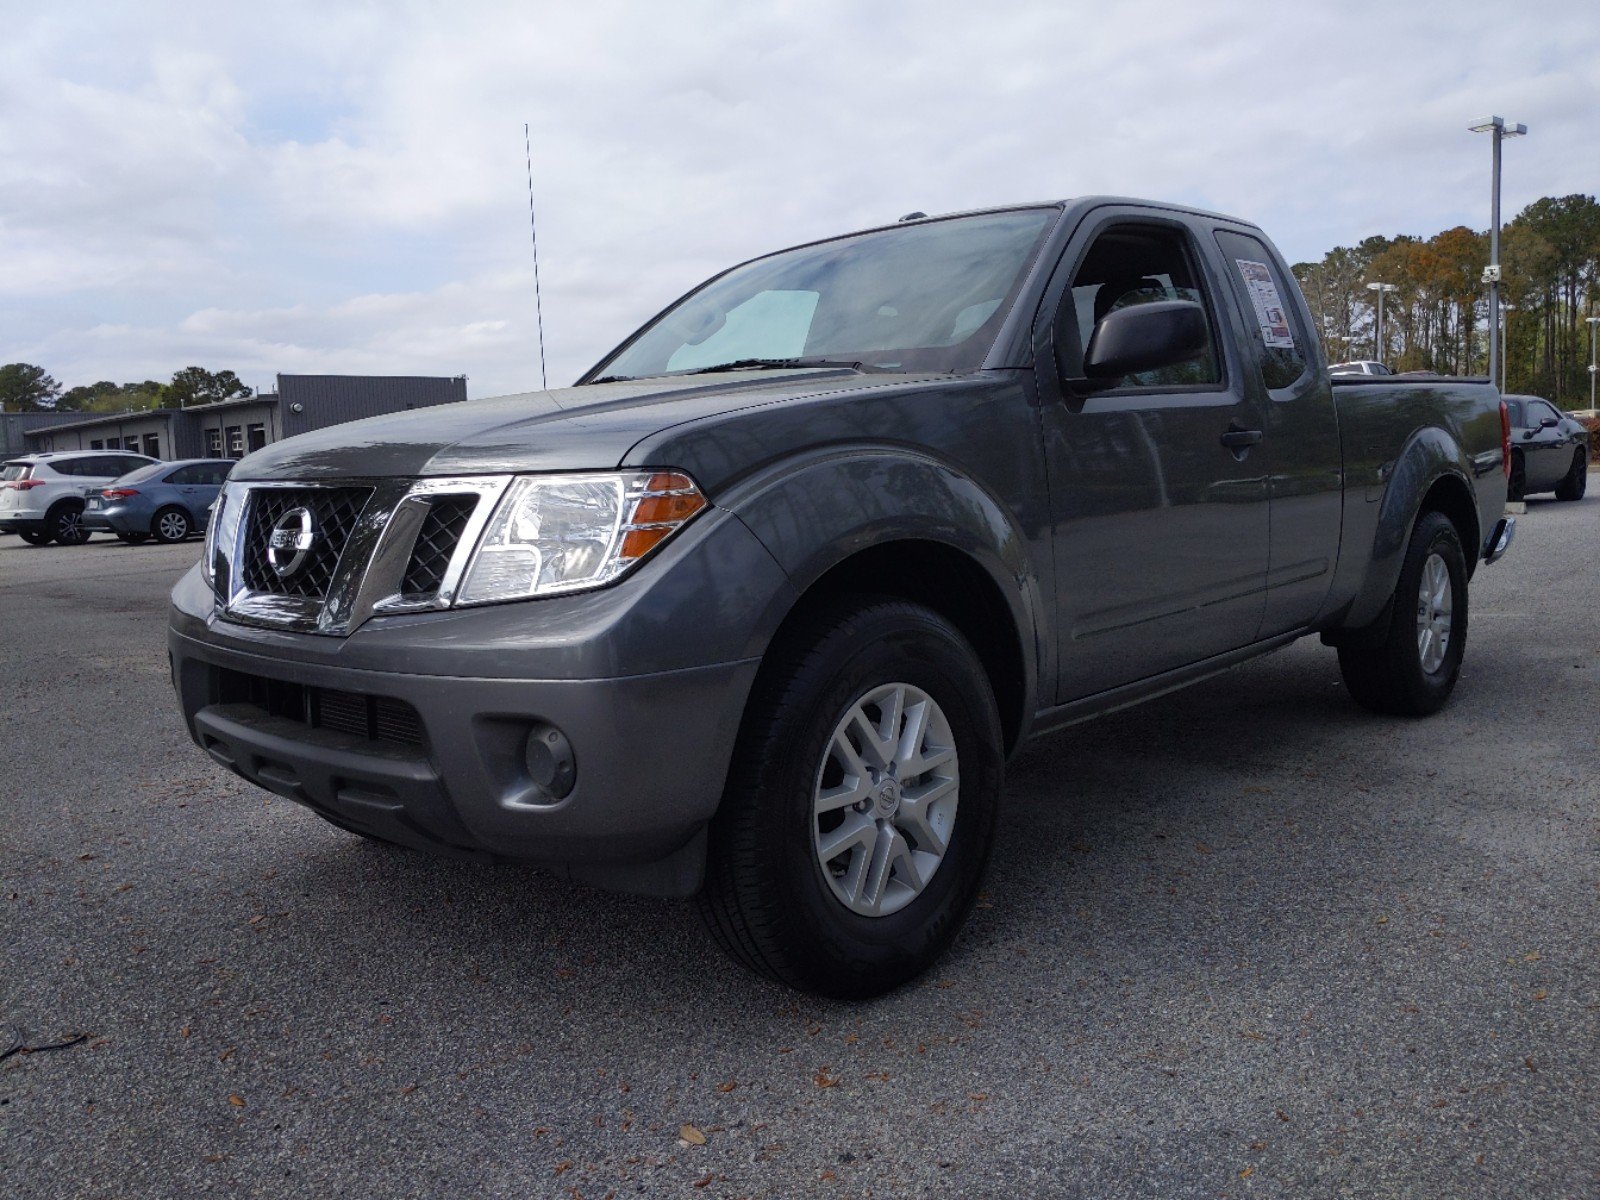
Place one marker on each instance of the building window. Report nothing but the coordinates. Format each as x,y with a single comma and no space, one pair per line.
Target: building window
235,442
97,444
152,445
131,444
213,443
258,436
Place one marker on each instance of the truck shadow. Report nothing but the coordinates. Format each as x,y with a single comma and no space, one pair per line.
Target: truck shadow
1116,818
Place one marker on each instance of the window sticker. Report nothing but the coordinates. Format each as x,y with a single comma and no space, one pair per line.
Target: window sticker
1270,312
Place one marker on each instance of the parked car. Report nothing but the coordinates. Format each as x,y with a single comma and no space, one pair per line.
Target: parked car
1549,450
1364,366
41,495
758,610
167,501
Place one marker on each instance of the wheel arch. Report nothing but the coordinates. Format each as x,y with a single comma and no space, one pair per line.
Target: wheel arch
886,521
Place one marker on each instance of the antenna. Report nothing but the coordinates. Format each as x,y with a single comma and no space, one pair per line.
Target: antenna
533,228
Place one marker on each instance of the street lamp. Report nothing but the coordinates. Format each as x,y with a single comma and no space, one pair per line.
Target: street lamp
1501,129
1505,346
1593,321
1377,334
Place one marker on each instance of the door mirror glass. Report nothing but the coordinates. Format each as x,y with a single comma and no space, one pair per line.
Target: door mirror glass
1549,423
1145,337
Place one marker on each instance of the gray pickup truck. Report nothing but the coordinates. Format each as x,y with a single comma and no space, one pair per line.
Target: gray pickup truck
757,610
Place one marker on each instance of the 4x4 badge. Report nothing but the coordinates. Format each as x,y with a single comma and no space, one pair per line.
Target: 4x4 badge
290,541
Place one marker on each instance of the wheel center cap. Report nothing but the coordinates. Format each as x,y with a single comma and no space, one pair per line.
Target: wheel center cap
888,798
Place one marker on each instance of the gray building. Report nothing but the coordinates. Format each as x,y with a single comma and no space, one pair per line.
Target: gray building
13,427
233,428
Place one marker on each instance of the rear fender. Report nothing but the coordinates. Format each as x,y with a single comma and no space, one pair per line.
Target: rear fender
1429,455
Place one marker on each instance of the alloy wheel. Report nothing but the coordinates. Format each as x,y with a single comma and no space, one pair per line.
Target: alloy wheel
1434,601
885,797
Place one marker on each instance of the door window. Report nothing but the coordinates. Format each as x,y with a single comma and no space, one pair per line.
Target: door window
1131,265
1268,302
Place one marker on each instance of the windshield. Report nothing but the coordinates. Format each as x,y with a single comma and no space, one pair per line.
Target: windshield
924,297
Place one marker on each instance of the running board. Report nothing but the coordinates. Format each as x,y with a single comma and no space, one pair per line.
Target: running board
1126,696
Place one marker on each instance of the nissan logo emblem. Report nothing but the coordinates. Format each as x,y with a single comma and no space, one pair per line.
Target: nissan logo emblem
291,539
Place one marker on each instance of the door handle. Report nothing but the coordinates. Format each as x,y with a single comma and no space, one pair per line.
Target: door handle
1237,439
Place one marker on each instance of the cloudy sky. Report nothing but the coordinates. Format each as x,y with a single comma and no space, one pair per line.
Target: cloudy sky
342,188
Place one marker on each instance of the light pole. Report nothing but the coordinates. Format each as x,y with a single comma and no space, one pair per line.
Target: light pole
1505,346
1593,370
1377,334
1501,129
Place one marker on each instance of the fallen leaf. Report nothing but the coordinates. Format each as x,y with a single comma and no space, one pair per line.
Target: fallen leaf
1531,956
1202,848
691,1135
727,1086
1383,920
563,1166
236,1101
1247,1172
823,1078
1540,994
700,1183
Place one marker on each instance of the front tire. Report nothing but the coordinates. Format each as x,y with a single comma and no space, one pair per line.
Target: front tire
171,525
1576,480
861,803
1410,669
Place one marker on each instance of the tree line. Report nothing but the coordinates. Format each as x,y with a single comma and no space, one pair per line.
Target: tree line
27,388
1437,317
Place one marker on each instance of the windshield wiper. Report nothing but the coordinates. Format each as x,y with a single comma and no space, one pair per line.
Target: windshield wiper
775,364
612,379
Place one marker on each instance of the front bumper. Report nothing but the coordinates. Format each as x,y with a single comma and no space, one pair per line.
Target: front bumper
439,762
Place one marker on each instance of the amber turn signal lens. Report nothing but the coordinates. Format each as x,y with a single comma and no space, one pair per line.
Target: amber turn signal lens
636,543
653,510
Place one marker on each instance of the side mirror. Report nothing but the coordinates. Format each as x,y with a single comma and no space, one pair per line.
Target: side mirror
1549,423
1144,337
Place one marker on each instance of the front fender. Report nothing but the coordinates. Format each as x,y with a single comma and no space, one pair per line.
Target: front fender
1429,455
815,512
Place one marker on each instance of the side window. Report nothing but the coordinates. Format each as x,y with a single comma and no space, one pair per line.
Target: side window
1130,265
1543,411
1267,299
185,475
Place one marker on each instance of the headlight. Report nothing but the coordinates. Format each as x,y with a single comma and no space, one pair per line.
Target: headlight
562,533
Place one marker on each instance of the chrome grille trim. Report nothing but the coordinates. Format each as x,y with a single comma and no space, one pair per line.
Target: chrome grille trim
369,576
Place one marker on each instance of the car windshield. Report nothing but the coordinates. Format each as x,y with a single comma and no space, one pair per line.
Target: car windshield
16,470
923,297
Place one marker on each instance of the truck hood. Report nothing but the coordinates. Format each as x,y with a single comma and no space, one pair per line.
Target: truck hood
579,428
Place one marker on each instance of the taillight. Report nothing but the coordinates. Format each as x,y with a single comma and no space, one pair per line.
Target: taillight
1505,440
119,493
23,485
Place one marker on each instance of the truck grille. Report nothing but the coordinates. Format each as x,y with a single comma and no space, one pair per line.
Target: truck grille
435,545
334,511
375,718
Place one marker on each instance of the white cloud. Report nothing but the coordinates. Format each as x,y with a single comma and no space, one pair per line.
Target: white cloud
292,188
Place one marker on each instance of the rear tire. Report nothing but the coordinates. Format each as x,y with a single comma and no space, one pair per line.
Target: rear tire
897,680
64,523
171,525
1517,484
1576,480
1410,669
35,537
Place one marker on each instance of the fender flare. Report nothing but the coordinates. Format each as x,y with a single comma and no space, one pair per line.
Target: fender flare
818,510
1429,455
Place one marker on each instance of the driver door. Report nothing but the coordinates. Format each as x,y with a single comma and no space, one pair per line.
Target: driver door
1158,493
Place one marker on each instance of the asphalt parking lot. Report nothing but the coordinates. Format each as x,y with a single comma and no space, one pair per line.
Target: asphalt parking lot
1244,941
